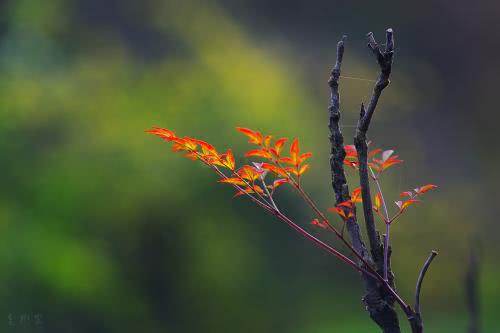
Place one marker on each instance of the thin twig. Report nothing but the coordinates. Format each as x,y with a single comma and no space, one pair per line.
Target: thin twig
299,229
268,194
387,240
421,279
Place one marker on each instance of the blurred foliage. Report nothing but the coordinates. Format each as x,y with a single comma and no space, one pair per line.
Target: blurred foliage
103,230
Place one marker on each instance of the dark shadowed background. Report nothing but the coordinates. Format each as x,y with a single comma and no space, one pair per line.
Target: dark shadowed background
104,230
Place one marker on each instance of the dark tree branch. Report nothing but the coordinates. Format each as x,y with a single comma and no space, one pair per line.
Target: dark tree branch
378,303
421,279
471,292
384,59
337,153
415,318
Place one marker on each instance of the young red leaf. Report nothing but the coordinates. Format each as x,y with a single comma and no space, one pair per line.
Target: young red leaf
255,137
425,188
390,162
277,170
267,140
162,132
259,153
406,194
350,151
294,151
235,181
407,203
254,189
303,157
303,169
206,147
292,171
356,195
183,144
230,163
278,145
249,173
347,204
374,152
279,182
378,201
286,160
192,155
339,211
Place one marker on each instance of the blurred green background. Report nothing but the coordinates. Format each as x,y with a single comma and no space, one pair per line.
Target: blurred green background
104,230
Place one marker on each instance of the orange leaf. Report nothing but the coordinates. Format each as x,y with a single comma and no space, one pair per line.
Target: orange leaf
259,153
339,211
352,164
248,172
235,181
189,143
249,190
245,191
267,140
287,160
303,169
183,144
162,132
425,188
406,194
192,155
230,163
279,171
355,197
254,137
347,204
278,145
390,162
279,182
292,171
350,151
407,203
214,159
206,147
294,151
257,189
303,157
378,200
374,152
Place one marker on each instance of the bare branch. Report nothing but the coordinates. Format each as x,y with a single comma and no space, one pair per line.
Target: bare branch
421,279
337,153
415,318
378,302
384,59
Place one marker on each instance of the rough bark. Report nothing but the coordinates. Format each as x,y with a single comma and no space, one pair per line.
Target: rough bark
382,303
378,302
